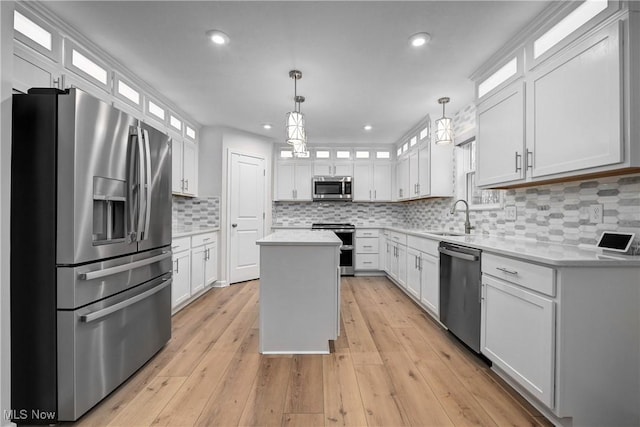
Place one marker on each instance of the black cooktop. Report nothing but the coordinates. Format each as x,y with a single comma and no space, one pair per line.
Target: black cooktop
329,225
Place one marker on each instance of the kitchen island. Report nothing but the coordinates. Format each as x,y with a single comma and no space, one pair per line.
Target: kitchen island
299,291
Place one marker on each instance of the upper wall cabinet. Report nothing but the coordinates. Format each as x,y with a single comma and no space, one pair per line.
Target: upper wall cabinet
574,111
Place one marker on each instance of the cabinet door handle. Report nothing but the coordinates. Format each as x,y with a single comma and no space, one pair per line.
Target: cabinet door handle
518,156
418,188
513,272
529,163
369,194
182,184
375,197
177,267
186,182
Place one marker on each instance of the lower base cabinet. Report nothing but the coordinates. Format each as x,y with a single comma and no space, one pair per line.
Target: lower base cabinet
195,266
430,282
518,336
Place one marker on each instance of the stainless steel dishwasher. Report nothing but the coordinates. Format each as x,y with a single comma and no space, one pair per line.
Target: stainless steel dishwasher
460,285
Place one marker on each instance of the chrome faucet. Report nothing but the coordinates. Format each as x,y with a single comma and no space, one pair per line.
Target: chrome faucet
467,224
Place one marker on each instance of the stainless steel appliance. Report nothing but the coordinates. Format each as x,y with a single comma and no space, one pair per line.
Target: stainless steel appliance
90,251
346,233
332,188
460,284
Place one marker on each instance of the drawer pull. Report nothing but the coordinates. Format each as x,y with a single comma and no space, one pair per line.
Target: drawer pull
367,246
367,262
515,273
207,239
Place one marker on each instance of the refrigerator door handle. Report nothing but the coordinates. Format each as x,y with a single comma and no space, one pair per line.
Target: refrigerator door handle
124,267
141,189
147,185
99,314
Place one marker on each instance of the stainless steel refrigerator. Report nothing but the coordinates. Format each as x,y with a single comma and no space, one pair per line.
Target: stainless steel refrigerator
90,251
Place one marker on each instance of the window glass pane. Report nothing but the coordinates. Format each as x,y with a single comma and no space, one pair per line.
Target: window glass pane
88,66
494,80
191,133
175,122
424,133
413,141
569,24
472,155
286,154
343,154
30,29
322,154
405,147
362,154
156,110
128,92
382,154
399,151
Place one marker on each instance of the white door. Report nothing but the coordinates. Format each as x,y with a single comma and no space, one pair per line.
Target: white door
246,216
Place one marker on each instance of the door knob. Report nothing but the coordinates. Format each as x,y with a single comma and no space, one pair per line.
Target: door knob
234,225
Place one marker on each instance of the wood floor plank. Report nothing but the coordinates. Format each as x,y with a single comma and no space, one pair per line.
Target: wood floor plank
305,390
380,399
303,420
186,406
266,401
147,404
225,406
361,344
342,402
459,404
209,331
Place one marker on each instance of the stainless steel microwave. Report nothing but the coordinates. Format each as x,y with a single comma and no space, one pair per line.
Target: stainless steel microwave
332,188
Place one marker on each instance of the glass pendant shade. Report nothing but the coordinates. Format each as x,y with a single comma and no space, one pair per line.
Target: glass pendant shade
444,131
295,128
294,123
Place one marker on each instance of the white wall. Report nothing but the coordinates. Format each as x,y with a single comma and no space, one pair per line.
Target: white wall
237,141
6,72
210,162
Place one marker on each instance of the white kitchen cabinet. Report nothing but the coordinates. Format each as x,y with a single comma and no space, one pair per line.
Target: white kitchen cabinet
500,142
333,168
204,261
414,165
184,160
574,107
518,334
367,246
293,180
383,251
430,283
398,263
413,272
372,182
181,285
403,191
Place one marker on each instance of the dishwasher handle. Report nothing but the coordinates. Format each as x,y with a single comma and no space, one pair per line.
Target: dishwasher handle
461,255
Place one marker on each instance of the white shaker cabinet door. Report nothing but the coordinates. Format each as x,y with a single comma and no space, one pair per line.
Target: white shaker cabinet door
303,181
413,272
362,185
190,168
575,101
285,181
382,182
181,285
501,137
518,335
211,263
198,261
430,282
176,166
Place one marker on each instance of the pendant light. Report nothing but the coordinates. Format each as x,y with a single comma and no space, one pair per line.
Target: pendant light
296,133
444,126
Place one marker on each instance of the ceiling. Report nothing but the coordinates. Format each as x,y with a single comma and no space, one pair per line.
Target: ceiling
357,65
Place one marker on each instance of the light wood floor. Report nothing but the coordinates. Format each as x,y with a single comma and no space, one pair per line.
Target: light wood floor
392,366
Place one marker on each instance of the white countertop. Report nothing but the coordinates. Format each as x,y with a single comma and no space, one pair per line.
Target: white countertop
190,231
301,238
534,251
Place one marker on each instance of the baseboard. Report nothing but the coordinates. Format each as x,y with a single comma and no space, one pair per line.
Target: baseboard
220,284
369,273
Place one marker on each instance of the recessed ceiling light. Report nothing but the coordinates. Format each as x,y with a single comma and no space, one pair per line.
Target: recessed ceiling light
218,37
266,126
367,127
419,39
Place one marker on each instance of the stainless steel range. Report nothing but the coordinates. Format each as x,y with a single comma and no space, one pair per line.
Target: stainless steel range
346,233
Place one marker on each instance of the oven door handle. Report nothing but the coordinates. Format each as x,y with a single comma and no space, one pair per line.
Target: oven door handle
99,314
460,255
124,267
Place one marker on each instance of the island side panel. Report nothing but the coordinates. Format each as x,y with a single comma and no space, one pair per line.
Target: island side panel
298,297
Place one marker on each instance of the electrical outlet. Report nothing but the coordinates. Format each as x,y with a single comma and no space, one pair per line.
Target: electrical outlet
596,212
510,213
